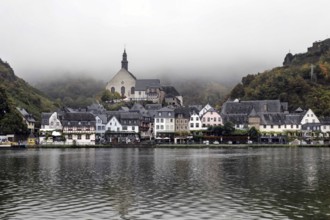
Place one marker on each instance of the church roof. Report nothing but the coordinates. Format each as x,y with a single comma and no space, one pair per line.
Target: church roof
124,71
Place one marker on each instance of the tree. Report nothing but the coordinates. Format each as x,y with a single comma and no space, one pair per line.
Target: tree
228,128
253,134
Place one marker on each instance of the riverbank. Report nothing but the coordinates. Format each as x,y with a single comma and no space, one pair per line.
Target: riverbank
177,146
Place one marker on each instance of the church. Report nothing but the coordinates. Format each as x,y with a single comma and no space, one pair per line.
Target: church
124,81
133,89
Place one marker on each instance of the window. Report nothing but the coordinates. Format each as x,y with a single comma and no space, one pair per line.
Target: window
159,114
70,136
162,120
197,118
87,136
191,125
264,126
291,126
162,127
219,119
171,120
197,125
132,90
79,136
279,126
124,128
122,91
157,120
157,127
208,119
272,126
191,118
113,89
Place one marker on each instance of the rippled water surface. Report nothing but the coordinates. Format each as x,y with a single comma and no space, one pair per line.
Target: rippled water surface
263,183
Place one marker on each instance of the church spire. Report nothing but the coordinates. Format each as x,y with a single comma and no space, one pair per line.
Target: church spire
124,62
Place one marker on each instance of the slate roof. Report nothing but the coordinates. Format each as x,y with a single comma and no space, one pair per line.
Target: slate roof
143,84
26,115
45,118
164,113
170,90
185,111
85,119
245,107
103,117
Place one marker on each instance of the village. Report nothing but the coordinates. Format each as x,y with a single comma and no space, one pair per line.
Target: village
157,115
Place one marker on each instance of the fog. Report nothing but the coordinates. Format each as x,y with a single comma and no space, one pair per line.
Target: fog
172,39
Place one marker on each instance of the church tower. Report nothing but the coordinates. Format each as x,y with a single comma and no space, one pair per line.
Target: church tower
124,62
123,82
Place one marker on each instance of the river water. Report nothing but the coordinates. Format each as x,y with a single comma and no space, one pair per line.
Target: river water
254,183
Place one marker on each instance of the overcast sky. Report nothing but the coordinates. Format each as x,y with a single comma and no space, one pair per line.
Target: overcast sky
170,38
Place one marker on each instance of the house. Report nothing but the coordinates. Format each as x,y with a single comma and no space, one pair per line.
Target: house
195,123
211,118
164,123
101,121
172,96
50,122
27,119
51,128
245,114
146,121
148,90
182,117
123,127
79,128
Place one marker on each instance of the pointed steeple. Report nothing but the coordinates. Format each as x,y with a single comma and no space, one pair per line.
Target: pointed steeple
124,62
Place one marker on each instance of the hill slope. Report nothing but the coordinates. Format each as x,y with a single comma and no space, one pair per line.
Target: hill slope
302,81
15,92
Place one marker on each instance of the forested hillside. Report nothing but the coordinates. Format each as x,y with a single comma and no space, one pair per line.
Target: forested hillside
73,92
15,92
302,81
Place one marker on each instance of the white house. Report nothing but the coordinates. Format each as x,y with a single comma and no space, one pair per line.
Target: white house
113,125
195,123
164,122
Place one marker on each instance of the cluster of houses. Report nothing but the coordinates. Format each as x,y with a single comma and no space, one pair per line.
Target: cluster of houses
166,119
174,124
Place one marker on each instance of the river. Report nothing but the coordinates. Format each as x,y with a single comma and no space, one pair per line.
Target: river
119,183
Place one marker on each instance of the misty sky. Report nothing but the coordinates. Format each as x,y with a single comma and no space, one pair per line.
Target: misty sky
168,39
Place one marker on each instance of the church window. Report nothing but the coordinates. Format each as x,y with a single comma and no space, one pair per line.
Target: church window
113,89
132,90
122,90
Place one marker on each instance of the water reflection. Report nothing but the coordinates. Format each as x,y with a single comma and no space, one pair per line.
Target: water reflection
273,183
